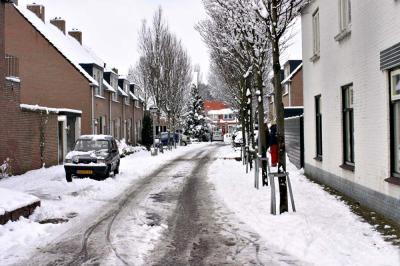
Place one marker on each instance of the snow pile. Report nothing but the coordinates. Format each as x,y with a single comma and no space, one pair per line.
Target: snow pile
11,200
126,149
323,231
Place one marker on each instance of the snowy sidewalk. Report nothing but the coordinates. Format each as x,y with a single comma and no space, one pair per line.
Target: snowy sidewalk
323,231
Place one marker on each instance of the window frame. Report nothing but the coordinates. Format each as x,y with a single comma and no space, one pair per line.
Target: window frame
393,100
318,128
344,9
316,32
348,113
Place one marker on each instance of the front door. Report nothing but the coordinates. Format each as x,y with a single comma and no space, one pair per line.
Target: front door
60,142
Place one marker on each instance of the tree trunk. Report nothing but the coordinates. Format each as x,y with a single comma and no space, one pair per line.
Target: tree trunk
262,142
280,123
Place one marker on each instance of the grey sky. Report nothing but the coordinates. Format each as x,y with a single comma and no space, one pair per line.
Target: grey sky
110,28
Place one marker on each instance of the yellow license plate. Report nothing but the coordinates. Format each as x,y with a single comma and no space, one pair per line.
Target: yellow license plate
84,172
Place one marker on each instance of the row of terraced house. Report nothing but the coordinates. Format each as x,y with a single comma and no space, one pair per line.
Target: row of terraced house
57,89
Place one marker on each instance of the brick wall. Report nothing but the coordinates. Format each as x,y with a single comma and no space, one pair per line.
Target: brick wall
20,131
2,55
296,91
139,113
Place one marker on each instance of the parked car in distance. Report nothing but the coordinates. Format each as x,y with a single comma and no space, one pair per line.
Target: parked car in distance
217,136
94,156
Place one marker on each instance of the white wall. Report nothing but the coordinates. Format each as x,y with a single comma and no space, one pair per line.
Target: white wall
375,27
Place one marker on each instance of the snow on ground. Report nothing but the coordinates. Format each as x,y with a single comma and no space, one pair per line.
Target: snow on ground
74,201
323,231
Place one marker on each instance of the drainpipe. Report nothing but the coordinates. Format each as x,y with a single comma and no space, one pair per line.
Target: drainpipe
92,118
109,115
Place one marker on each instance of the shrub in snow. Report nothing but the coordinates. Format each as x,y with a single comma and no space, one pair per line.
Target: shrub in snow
5,168
147,131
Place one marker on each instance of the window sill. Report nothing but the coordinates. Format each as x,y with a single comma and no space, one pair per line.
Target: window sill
318,158
315,57
100,97
285,94
393,180
347,167
345,33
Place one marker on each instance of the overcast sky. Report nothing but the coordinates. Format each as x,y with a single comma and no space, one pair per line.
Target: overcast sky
110,27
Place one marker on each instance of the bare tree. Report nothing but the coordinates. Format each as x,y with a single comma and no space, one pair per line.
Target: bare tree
163,69
278,16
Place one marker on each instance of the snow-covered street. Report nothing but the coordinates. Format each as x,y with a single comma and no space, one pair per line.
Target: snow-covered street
193,205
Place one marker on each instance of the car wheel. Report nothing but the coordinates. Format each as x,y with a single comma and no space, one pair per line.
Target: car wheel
68,177
107,174
116,171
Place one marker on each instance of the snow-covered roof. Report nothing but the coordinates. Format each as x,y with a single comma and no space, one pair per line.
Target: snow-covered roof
69,47
36,108
108,86
141,98
224,111
133,96
121,91
289,78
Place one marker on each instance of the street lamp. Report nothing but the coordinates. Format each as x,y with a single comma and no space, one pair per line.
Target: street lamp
153,111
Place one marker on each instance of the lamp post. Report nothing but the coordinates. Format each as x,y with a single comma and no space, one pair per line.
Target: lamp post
153,111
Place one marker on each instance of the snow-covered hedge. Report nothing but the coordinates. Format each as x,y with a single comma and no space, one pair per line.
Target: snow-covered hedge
125,149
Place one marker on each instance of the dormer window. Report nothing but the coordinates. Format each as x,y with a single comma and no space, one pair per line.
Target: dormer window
126,89
98,76
114,95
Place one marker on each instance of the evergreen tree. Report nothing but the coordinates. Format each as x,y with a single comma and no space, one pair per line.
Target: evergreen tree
147,131
196,125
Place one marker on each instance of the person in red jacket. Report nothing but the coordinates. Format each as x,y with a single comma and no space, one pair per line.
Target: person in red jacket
273,144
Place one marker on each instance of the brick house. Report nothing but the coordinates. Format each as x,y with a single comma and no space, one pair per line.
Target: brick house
29,133
351,72
292,89
62,75
221,117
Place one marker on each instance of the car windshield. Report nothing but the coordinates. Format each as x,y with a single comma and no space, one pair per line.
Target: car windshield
91,145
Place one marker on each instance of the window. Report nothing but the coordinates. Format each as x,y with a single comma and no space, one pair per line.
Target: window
101,125
348,125
112,128
98,76
126,89
286,89
316,44
395,121
344,14
318,127
137,104
114,84
129,129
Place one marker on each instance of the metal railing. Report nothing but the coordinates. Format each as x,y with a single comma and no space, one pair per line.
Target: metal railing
12,66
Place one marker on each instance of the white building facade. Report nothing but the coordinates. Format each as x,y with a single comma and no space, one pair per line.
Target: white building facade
351,72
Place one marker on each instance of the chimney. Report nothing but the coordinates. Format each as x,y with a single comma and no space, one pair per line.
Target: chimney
76,34
59,23
37,9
